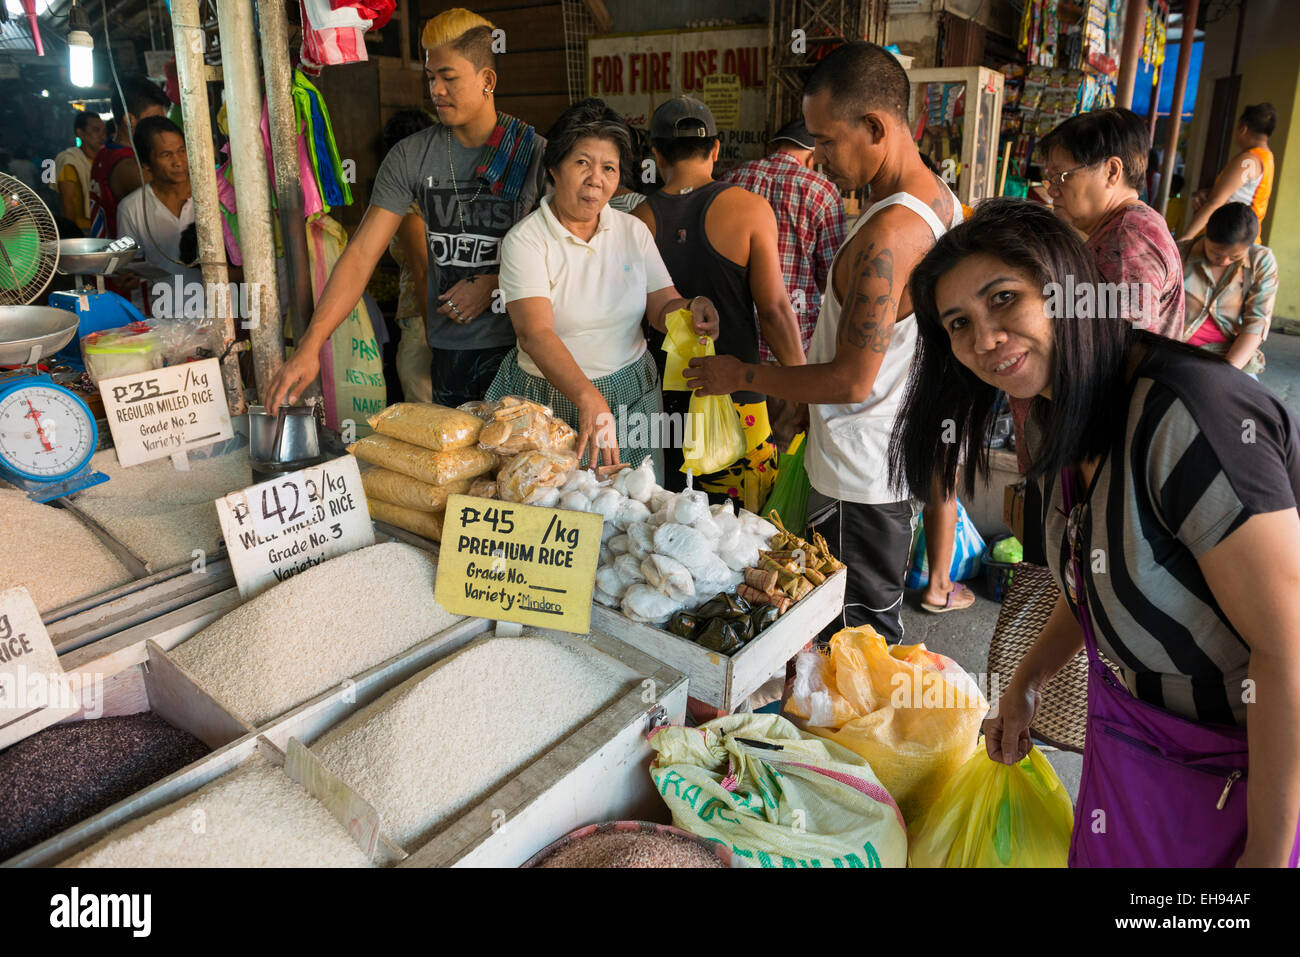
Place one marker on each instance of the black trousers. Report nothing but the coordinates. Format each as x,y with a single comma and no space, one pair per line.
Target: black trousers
875,542
464,375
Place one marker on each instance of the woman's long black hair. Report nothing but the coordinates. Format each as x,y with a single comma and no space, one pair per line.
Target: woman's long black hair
948,410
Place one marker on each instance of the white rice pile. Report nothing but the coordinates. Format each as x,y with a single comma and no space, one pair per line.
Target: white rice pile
441,741
308,633
160,513
255,816
51,554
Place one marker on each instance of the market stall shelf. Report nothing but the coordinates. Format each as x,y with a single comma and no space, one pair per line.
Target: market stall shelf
594,774
727,681
154,686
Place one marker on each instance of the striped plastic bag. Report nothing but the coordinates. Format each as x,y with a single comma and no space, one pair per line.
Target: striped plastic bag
776,796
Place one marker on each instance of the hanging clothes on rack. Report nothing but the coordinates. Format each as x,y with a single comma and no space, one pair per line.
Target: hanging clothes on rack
314,121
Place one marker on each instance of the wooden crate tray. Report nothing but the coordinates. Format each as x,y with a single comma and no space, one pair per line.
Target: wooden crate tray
597,773
726,681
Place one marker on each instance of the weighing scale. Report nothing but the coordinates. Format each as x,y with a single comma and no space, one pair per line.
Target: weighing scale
47,433
96,308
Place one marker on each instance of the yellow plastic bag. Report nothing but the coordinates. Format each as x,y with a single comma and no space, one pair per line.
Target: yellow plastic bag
681,345
997,815
713,437
913,714
776,796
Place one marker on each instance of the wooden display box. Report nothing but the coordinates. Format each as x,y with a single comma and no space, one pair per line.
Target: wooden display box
597,773
727,681
981,125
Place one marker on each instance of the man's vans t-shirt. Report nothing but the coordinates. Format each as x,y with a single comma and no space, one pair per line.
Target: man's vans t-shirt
462,242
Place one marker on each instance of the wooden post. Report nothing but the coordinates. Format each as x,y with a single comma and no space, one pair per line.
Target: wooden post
252,188
189,42
284,150
1135,18
1190,10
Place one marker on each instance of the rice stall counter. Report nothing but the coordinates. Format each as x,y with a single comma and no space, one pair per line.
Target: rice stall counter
122,552
662,553
596,770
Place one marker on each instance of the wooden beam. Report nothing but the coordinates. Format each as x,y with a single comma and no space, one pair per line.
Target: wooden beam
600,13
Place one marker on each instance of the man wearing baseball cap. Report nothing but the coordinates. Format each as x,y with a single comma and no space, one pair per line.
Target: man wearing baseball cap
810,228
720,241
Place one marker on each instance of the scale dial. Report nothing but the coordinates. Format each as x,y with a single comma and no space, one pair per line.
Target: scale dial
46,432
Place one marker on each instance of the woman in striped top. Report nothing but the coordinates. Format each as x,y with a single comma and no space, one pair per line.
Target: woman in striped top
1187,536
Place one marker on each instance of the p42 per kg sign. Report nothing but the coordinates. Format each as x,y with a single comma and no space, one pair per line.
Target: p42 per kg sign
276,529
535,566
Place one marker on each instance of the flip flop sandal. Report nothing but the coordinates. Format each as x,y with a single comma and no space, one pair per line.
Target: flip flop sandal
948,605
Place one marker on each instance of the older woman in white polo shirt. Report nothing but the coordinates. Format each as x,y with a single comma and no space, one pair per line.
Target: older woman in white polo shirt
577,277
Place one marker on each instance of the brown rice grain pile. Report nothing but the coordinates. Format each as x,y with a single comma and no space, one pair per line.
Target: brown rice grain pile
631,849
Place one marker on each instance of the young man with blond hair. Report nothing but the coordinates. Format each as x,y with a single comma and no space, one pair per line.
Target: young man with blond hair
474,174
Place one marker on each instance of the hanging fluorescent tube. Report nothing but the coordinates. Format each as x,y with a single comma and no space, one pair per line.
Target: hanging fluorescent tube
81,49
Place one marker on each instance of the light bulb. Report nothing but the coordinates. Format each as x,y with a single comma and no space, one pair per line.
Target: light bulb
81,60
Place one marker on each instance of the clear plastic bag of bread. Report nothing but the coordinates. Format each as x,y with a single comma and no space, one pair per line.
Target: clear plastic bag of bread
427,425
478,407
531,477
483,488
517,425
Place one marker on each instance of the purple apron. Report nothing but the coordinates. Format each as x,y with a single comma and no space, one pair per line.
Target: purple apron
1157,789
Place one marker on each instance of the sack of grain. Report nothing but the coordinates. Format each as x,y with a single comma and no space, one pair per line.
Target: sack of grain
398,489
428,524
430,426
435,468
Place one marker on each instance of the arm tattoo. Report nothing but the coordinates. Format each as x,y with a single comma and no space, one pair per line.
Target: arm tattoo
749,376
869,324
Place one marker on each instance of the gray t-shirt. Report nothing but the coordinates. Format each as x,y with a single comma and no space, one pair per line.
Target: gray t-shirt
418,169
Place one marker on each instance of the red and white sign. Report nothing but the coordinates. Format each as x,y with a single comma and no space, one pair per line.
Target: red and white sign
635,72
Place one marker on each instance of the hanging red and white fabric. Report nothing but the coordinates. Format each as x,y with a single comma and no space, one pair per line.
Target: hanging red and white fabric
379,12
331,37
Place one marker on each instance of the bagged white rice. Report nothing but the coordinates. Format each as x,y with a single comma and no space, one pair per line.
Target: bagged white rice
319,627
438,743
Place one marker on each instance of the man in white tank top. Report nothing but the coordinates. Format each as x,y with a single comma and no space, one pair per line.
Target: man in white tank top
855,106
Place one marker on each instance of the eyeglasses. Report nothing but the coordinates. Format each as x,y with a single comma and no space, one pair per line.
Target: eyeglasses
1075,520
1058,179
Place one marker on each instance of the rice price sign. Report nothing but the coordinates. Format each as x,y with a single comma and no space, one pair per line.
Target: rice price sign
276,529
535,566
164,412
34,692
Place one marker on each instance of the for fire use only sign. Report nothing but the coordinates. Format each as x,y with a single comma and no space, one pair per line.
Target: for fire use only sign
520,563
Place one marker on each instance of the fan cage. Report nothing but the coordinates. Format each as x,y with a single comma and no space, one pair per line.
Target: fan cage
29,241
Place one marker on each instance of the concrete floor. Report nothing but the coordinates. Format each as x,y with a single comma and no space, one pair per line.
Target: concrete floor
964,636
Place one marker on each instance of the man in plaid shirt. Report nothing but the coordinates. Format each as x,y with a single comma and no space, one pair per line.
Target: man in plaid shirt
809,220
